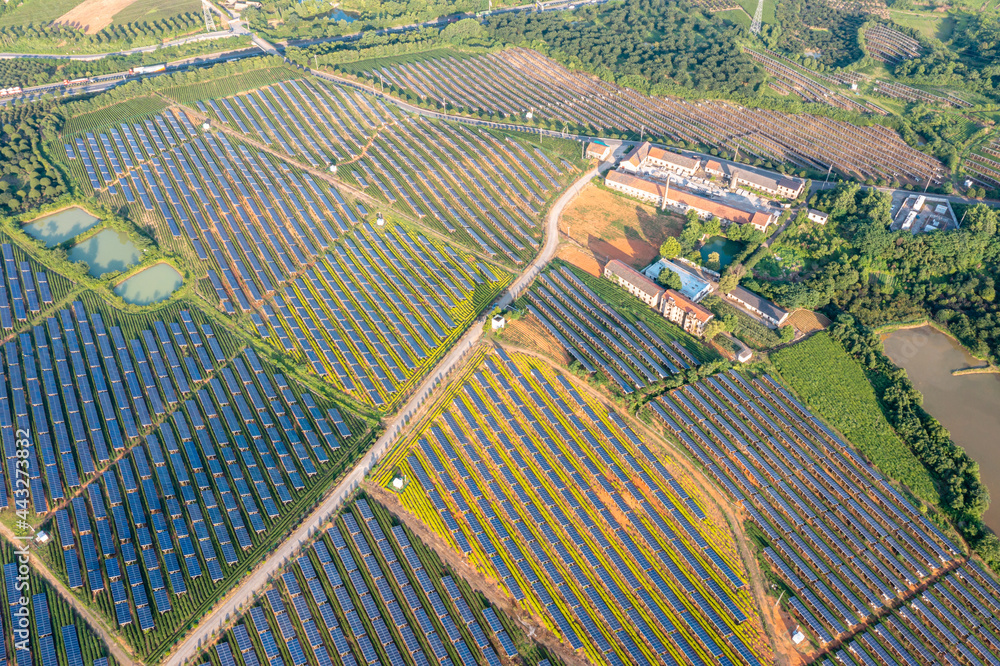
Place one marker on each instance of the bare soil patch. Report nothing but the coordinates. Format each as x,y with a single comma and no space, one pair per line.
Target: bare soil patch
807,321
92,16
612,226
580,258
527,333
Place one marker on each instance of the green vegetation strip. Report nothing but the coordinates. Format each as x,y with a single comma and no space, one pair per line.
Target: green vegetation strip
834,386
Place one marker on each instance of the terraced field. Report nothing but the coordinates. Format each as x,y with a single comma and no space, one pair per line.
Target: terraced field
168,455
867,574
514,82
551,494
366,591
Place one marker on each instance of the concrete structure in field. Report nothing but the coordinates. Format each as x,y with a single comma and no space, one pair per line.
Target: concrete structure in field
817,216
921,213
771,183
684,199
758,305
647,156
634,283
598,151
685,313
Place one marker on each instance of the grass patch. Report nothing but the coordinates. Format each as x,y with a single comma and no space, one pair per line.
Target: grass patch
735,16
230,85
37,11
836,388
154,10
931,25
114,114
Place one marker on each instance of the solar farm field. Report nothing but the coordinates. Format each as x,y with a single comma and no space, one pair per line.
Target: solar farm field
601,339
549,493
169,457
867,574
368,592
56,635
28,290
276,245
485,189
515,81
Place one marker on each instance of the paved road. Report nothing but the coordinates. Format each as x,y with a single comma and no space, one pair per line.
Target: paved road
243,595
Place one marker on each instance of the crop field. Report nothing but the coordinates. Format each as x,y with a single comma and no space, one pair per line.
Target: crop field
190,458
514,81
862,566
600,338
550,494
58,636
835,386
368,592
486,189
28,290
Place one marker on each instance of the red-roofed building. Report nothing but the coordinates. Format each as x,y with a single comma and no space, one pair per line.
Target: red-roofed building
685,313
598,151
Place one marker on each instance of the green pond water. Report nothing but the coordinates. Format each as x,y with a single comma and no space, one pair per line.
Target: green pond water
60,227
967,405
726,248
106,251
150,285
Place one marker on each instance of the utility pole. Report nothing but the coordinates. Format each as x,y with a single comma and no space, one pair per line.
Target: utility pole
779,599
828,174
928,185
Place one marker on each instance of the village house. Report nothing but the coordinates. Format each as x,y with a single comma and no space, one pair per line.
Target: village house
598,151
647,156
763,308
685,313
684,199
775,185
817,216
634,283
633,186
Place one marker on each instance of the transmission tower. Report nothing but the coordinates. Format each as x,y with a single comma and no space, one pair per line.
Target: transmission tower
209,19
757,18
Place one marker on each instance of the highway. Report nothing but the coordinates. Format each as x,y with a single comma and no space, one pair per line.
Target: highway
243,595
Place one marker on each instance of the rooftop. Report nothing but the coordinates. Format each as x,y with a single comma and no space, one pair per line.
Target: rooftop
700,313
770,181
759,303
633,277
628,180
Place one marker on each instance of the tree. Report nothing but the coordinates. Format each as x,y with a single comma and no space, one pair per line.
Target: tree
714,261
713,328
731,278
786,333
670,248
669,279
712,227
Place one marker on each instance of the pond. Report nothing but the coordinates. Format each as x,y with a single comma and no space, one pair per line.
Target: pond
967,405
726,248
106,251
60,227
150,285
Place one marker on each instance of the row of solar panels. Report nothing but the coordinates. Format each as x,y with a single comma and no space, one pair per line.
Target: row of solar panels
576,480
27,291
864,568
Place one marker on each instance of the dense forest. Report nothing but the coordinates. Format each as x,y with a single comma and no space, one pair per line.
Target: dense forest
27,178
816,29
647,44
949,276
